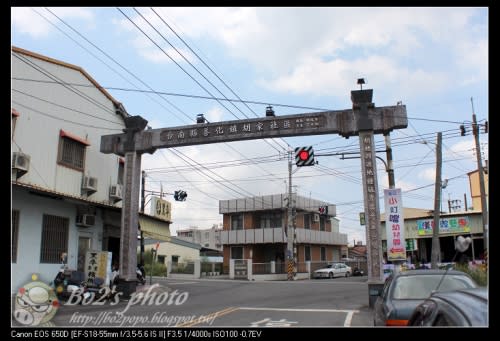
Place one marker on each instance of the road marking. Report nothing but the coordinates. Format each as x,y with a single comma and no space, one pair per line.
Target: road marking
348,318
347,321
204,318
304,310
276,323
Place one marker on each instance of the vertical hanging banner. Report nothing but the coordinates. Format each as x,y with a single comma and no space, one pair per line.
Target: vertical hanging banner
394,225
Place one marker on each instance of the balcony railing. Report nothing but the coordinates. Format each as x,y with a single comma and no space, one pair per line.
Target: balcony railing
277,235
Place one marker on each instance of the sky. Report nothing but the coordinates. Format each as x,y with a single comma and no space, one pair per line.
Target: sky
299,60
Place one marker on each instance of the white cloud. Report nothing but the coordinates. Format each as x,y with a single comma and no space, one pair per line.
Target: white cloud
214,115
428,174
26,20
311,50
153,54
316,77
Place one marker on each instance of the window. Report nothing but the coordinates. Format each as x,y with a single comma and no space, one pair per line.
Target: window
307,221
237,252
15,233
121,171
270,220
161,259
54,238
237,222
322,223
71,151
175,259
307,253
323,253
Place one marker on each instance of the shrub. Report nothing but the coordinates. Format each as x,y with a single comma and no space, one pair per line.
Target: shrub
478,273
159,269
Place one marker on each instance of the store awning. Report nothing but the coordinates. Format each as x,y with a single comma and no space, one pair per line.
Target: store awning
153,228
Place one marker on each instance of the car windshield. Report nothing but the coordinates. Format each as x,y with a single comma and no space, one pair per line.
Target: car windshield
421,286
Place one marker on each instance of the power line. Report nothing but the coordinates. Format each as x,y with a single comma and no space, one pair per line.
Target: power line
185,71
72,109
207,66
61,82
116,62
62,119
227,100
121,66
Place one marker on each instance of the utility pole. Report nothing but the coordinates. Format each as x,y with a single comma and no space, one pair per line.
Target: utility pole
475,131
390,168
290,231
436,250
143,204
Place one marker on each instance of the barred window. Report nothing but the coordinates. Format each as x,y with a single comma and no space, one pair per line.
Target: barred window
271,220
236,252
307,221
237,222
323,253
322,221
15,233
54,238
307,253
71,153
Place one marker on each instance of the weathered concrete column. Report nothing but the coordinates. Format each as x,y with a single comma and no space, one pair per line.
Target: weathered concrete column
372,212
362,101
129,222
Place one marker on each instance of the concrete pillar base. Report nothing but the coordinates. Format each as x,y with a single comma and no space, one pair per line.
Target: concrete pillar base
127,288
374,291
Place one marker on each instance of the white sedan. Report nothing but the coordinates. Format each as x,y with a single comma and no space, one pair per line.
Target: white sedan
333,270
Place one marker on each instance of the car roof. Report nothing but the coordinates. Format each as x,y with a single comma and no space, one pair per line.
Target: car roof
473,303
460,296
429,272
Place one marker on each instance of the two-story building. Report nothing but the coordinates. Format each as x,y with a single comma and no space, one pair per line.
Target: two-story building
66,194
256,228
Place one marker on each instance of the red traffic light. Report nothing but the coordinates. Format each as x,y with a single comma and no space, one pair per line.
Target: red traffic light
304,155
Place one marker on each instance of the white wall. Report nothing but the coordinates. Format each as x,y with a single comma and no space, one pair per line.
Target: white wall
31,210
168,249
38,135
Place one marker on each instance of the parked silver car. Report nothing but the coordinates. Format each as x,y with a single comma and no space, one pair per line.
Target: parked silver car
333,270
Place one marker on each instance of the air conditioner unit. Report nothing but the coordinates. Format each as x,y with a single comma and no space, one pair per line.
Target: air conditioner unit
89,184
20,162
316,217
115,192
85,220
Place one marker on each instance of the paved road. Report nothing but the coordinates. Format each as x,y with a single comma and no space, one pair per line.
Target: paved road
339,302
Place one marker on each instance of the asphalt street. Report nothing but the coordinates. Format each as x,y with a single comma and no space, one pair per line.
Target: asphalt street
339,302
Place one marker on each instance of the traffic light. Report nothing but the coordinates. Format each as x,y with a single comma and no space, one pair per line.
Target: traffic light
304,156
180,195
462,130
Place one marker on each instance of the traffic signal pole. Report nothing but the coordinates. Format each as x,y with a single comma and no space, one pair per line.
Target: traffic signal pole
290,230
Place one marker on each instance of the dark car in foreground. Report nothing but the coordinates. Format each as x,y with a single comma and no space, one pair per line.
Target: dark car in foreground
404,291
459,308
